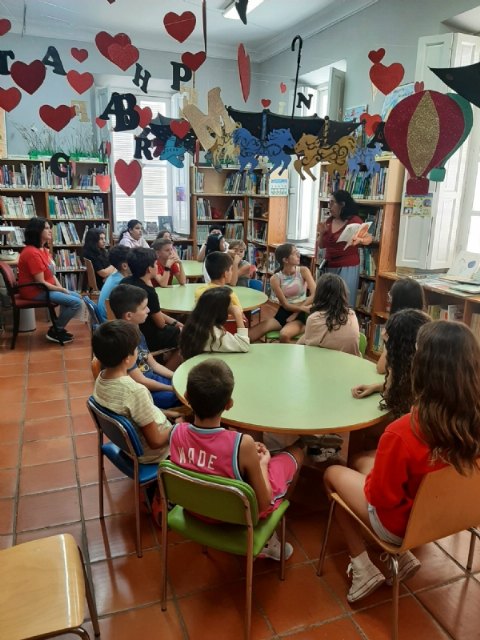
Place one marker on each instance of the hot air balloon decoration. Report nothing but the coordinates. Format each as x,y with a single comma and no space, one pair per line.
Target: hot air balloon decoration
422,130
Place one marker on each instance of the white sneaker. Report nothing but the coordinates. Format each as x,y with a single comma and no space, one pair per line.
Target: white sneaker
365,579
273,549
408,565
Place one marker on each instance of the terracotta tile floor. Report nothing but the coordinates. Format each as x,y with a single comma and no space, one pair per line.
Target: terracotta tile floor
48,485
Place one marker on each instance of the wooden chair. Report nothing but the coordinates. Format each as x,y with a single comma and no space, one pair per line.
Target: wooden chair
446,503
233,504
19,303
91,278
110,314
43,589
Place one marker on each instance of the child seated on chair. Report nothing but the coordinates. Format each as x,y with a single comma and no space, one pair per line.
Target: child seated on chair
220,268
245,270
207,447
129,303
115,345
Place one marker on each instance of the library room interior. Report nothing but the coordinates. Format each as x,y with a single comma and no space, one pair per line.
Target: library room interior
253,223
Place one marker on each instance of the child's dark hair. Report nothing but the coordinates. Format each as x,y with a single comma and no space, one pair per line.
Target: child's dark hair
406,294
331,297
349,208
118,255
126,298
139,260
162,233
446,388
213,243
33,231
283,252
211,311
114,341
90,246
217,263
131,224
209,388
159,243
401,329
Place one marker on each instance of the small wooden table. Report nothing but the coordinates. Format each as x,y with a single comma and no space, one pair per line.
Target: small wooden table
181,299
285,388
192,269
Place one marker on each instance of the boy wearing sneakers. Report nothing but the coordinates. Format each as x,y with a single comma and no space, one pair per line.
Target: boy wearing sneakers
115,345
206,447
219,267
130,303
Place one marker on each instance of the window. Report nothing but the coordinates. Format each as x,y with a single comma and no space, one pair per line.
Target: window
469,225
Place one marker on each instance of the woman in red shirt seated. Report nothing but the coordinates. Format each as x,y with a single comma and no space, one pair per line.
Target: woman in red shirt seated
342,260
36,265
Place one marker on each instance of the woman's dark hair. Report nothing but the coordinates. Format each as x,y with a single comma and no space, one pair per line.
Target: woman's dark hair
213,243
162,233
446,388
401,329
331,297
349,208
130,225
33,231
90,246
139,259
211,311
282,252
406,294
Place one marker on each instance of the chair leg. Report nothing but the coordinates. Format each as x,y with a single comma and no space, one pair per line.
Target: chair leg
92,607
248,583
323,551
395,594
138,533
81,632
16,326
474,534
100,481
164,553
282,549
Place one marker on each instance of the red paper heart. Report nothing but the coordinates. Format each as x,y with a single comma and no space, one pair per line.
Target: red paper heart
79,54
5,26
243,61
103,181
386,79
376,56
283,87
180,128
56,117
80,81
194,60
100,122
128,176
418,86
123,56
9,98
28,76
103,40
108,148
179,27
371,122
145,114
266,103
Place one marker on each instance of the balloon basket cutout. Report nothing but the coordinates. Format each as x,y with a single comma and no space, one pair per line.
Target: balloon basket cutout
422,130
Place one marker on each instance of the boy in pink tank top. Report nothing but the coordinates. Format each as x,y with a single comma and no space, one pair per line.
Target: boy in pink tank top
208,448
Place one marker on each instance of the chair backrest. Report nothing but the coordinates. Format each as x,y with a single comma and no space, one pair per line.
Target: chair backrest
96,367
362,344
446,502
9,278
255,284
92,312
117,428
108,308
223,499
91,277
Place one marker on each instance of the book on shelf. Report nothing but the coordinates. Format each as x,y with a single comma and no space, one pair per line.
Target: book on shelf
39,176
377,338
233,231
69,280
367,262
359,184
202,234
165,222
185,252
76,207
65,259
364,299
257,230
235,210
17,207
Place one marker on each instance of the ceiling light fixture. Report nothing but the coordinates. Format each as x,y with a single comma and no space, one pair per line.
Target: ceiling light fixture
231,13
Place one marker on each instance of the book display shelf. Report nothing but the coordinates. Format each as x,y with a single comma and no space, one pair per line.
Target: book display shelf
71,204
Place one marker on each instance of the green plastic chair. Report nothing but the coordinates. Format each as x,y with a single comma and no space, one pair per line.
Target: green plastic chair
362,344
231,502
274,336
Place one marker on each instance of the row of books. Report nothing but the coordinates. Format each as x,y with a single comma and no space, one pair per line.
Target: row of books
185,252
65,259
234,211
37,176
15,238
445,312
65,233
76,207
264,260
475,325
233,231
17,207
376,220
257,208
377,337
364,300
357,183
257,230
367,262
245,182
71,281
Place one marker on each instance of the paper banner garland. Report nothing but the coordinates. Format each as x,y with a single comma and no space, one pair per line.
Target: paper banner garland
128,176
9,98
243,61
181,26
28,77
422,130
57,118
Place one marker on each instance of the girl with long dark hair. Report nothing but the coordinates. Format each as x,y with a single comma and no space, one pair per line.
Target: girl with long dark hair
132,235
94,250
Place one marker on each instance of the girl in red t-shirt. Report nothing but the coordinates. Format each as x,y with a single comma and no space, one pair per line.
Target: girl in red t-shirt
442,429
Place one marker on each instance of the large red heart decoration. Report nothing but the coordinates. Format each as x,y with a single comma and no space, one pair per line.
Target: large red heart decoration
79,54
103,181
386,79
103,40
371,122
28,76
128,175
5,26
100,122
266,103
194,60
56,117
180,128
243,60
145,114
9,98
179,27
123,55
376,56
80,81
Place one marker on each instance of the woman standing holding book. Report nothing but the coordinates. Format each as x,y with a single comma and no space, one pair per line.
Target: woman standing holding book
342,258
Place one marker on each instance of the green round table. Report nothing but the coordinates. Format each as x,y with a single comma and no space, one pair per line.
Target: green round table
294,388
192,269
181,299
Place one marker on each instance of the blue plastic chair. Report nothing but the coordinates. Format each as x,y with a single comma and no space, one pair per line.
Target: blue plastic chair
123,451
258,286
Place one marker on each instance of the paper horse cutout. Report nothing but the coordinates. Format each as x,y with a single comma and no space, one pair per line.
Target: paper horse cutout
273,147
310,152
364,160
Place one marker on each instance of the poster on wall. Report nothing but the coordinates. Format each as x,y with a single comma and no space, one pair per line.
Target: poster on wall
393,98
354,113
417,205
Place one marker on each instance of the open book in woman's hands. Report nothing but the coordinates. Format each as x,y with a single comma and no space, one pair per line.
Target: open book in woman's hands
356,233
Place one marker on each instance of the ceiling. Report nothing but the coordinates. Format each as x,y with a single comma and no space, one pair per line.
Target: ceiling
270,29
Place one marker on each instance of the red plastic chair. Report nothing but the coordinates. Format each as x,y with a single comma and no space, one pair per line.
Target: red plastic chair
19,303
